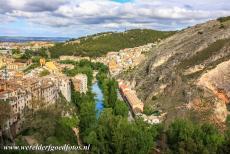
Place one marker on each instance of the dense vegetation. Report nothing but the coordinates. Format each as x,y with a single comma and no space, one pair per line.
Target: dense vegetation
185,137
111,132
31,67
98,45
34,56
84,67
48,125
223,19
30,54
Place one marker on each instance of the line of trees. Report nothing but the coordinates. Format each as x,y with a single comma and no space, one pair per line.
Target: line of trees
113,133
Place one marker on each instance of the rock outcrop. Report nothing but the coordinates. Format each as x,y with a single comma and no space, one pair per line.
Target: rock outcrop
178,70
218,81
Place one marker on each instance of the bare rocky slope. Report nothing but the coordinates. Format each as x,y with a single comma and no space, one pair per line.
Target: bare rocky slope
187,75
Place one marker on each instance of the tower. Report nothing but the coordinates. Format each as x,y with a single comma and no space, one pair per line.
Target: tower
42,61
5,74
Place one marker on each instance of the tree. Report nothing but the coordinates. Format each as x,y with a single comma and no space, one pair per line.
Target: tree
186,137
16,51
92,140
112,92
47,125
212,139
121,108
225,148
88,46
43,53
87,117
27,55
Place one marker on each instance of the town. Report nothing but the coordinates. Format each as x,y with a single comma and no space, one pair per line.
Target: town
22,84
114,77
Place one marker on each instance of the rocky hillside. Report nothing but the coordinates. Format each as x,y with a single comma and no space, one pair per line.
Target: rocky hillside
187,75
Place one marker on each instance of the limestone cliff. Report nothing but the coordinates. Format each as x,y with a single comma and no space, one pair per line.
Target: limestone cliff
175,72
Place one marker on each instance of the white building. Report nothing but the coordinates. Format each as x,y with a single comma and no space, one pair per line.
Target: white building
80,83
65,88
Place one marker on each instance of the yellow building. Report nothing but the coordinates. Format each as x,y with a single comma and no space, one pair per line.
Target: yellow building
16,66
51,67
42,61
2,63
112,64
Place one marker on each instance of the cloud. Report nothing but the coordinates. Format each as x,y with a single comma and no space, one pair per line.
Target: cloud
105,15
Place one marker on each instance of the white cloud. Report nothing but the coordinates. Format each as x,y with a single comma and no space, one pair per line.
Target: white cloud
110,15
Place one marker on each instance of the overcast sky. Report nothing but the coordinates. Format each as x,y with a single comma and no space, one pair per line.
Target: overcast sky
74,18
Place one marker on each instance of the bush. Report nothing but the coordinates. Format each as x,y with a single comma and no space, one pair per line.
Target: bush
221,26
186,137
44,73
223,19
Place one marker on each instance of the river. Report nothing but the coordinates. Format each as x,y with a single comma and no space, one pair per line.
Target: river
98,97
99,100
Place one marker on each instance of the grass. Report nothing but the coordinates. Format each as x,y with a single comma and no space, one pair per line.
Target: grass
31,67
228,121
44,73
209,66
198,58
149,111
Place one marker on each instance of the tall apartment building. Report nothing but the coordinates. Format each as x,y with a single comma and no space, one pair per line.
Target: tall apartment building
80,83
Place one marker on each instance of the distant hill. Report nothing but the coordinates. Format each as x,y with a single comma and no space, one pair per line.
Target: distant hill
21,39
101,43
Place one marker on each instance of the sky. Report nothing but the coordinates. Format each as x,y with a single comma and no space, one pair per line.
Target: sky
75,18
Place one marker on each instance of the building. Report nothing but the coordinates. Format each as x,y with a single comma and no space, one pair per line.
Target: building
80,83
73,58
48,91
64,85
2,63
42,61
28,92
51,67
16,66
18,98
131,98
65,88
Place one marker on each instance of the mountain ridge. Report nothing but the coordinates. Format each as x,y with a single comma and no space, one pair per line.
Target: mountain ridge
100,44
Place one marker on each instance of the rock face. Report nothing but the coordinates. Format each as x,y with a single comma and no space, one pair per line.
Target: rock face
218,81
175,71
